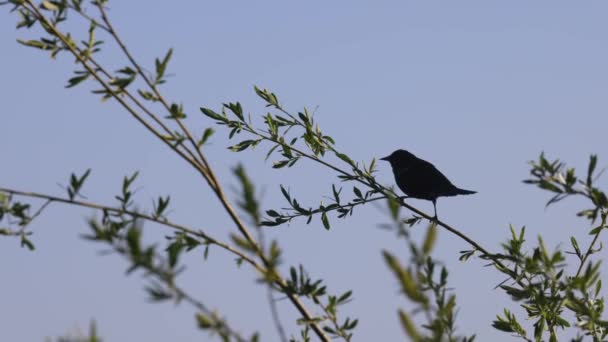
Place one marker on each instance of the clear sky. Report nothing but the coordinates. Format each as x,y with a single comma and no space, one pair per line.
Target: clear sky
476,87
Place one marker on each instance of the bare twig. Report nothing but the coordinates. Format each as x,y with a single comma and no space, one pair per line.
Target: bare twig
275,315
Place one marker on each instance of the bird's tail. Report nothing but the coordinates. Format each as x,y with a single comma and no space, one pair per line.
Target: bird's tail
465,192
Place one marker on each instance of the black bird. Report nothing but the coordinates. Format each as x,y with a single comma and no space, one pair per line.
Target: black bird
420,179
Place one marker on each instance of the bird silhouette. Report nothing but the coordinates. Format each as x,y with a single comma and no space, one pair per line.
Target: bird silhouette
418,178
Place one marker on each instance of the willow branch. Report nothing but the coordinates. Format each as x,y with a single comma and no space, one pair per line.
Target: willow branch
197,233
32,8
204,169
146,79
276,318
327,209
133,98
279,281
371,183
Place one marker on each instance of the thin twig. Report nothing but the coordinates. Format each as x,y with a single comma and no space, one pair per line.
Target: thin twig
387,192
279,281
146,79
34,10
204,169
590,249
38,212
276,318
342,206
198,233
181,294
88,17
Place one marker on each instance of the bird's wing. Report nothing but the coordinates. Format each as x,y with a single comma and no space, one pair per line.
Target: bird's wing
435,181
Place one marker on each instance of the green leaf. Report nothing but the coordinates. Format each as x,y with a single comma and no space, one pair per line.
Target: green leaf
270,152
48,5
161,67
161,205
591,168
127,181
515,293
345,158
204,321
280,164
173,252
35,44
325,221
25,242
215,116
236,109
544,184
303,117
357,192
285,193
270,98
243,145
336,193
76,183
577,249
146,95
272,213
508,324
134,241
539,327
243,243
206,135
248,201
596,230
406,279
393,206
177,112
502,326
157,293
372,165
127,71
429,240
409,327
277,222
80,76
344,297
329,139
465,255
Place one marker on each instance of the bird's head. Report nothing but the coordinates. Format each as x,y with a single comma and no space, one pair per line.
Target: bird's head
400,158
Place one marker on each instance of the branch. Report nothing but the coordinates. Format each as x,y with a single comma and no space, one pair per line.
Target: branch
204,169
333,207
76,53
151,85
197,233
276,318
371,183
590,249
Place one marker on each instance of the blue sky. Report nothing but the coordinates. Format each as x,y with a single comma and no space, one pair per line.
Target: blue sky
476,87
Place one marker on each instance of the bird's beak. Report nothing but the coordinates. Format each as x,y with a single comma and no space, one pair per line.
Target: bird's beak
387,158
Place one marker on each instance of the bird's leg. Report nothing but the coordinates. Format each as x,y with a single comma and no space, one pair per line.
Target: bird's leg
435,209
